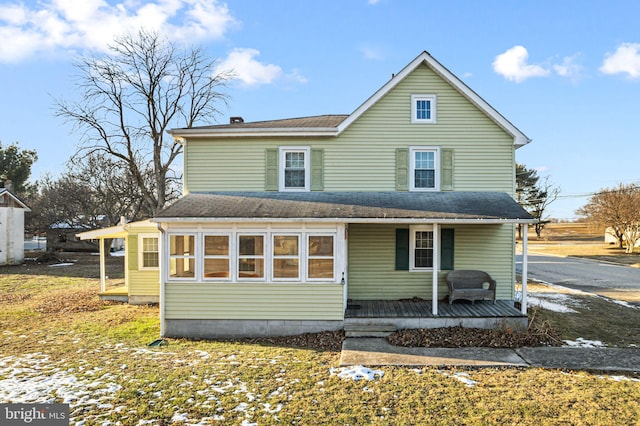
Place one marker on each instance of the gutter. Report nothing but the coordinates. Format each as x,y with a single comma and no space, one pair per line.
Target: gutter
440,221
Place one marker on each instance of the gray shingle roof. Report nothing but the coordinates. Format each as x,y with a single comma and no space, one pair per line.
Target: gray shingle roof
347,205
319,121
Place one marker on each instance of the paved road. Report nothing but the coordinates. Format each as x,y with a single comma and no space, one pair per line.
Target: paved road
580,274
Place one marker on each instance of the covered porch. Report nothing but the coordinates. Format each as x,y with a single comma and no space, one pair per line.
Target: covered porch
381,316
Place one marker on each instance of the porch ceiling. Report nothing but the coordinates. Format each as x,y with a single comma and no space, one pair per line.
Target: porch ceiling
347,207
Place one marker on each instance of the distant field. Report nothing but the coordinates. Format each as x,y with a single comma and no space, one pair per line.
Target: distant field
579,240
569,232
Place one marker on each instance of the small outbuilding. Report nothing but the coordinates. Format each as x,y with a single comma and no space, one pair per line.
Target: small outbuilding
12,211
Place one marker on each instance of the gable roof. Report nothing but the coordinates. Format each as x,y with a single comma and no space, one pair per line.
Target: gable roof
6,193
333,125
352,207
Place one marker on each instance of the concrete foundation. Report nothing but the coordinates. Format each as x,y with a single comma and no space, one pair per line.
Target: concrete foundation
441,322
144,300
212,329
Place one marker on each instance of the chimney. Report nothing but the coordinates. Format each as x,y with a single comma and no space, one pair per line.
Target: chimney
236,120
8,185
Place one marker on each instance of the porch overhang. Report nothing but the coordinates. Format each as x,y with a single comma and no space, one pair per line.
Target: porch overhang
347,207
434,208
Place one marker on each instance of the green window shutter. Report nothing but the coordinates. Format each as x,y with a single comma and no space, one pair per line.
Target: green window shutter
132,249
446,249
317,169
402,249
402,169
271,169
446,171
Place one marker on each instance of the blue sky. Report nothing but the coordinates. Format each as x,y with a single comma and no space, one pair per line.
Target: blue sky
567,73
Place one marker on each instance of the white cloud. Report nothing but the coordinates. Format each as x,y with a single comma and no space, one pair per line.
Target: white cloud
513,65
625,60
92,24
570,68
251,72
296,77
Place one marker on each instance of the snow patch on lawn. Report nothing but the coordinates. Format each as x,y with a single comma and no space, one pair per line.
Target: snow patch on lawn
461,377
584,343
555,302
33,378
356,372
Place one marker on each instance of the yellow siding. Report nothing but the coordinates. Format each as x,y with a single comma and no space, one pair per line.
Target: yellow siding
489,248
141,282
254,301
372,273
363,157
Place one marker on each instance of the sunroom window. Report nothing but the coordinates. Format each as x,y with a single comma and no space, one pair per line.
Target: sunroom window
320,257
216,256
286,257
251,256
182,259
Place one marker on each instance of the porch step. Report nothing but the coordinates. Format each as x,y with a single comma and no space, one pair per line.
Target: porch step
369,329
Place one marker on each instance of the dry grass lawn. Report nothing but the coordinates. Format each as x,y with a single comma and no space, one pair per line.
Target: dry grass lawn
60,344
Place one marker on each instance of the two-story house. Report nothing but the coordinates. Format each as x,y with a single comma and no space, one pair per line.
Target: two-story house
304,224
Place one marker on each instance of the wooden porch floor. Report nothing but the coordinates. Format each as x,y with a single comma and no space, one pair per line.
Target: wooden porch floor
422,309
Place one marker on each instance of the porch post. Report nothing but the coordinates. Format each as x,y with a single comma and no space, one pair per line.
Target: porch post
436,269
103,268
525,240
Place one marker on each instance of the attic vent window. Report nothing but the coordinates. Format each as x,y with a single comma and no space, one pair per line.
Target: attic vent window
236,120
423,108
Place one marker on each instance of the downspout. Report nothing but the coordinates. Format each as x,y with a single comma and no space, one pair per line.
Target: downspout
525,241
161,275
436,269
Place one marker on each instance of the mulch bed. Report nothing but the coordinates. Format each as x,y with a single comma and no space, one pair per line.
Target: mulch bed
539,333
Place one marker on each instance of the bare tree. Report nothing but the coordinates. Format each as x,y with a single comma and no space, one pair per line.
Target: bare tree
535,195
544,194
132,96
618,209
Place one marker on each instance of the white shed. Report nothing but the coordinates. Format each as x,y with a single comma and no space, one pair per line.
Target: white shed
12,211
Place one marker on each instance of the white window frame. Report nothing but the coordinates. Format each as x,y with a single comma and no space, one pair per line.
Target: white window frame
229,256
412,247
284,150
414,109
234,233
307,257
141,252
264,257
195,256
412,167
273,257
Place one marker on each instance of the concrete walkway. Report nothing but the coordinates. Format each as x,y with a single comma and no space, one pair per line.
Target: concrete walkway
377,351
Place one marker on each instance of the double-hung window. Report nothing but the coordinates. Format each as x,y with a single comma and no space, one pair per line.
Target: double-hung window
286,257
423,109
182,258
148,252
421,244
424,169
320,257
295,173
216,257
251,256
